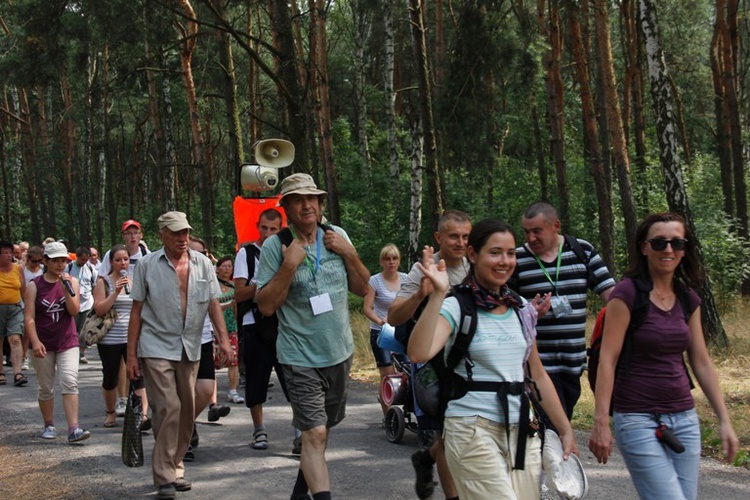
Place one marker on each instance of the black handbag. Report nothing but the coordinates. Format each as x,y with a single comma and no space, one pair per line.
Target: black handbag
132,443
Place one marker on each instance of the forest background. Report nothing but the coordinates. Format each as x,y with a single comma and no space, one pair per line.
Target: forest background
608,109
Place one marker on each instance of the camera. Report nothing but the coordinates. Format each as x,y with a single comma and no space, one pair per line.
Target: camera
665,435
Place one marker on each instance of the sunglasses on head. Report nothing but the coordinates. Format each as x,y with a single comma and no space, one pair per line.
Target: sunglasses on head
660,244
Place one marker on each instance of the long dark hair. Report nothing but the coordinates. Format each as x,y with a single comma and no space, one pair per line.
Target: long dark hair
689,271
481,232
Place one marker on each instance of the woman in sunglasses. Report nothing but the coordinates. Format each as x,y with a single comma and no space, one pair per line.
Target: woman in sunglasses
655,422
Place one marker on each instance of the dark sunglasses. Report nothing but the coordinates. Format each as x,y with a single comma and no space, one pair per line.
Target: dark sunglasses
36,261
659,244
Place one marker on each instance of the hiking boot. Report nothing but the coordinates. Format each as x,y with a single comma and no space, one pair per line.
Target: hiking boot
78,435
49,432
166,492
216,411
424,485
182,484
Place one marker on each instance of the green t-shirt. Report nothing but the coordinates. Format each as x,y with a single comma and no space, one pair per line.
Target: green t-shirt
305,339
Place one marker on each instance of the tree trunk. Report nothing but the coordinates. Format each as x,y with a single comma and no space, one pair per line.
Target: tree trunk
541,164
68,133
723,125
390,95
434,182
415,189
661,94
46,200
603,191
620,148
170,148
229,90
30,177
189,33
319,57
362,20
555,101
634,70
287,81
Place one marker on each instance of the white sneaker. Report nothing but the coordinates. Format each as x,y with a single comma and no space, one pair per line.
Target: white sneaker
120,407
49,432
234,397
25,365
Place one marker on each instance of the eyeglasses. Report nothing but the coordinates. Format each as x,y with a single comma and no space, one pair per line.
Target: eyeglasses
659,244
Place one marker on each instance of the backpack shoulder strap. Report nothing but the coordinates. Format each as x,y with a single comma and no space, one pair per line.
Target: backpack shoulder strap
467,326
642,302
577,249
683,295
285,235
251,253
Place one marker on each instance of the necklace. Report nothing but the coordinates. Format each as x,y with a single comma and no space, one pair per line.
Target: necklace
666,300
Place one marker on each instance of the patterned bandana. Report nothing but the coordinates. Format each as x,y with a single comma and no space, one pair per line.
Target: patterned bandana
485,299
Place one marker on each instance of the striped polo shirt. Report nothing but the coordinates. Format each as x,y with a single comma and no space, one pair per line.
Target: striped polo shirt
562,342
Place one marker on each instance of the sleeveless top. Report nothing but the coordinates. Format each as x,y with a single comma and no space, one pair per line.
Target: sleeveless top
229,318
55,328
10,286
118,334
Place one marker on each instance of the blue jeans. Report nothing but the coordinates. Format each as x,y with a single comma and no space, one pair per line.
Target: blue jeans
656,470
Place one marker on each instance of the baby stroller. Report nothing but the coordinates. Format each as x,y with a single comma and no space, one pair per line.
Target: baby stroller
395,389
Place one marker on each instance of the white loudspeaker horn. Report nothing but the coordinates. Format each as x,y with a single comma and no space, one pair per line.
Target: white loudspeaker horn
274,153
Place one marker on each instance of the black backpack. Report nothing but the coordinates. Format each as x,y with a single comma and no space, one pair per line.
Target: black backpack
638,315
436,383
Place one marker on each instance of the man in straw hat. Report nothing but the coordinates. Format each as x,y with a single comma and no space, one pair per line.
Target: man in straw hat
304,275
165,337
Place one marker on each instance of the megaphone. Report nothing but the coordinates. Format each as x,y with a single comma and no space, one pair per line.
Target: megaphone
274,153
258,179
270,155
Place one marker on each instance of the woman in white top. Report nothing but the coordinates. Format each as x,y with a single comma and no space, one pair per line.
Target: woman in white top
113,290
481,437
382,291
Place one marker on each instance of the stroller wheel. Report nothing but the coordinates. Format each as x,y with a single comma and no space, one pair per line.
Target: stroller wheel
395,424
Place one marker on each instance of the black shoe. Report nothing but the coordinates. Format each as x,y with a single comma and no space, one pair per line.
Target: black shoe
215,412
166,492
297,446
194,438
189,455
424,485
182,485
146,425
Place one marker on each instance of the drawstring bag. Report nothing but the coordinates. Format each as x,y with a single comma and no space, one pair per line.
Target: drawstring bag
132,443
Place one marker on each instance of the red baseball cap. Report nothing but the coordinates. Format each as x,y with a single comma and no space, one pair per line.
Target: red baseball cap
129,223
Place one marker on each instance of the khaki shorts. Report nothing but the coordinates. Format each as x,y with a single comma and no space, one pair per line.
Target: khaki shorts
11,320
317,395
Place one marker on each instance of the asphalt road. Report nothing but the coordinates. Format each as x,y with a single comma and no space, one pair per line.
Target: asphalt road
362,463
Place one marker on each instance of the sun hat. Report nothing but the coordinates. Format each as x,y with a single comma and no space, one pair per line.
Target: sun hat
55,250
565,477
299,184
174,221
129,223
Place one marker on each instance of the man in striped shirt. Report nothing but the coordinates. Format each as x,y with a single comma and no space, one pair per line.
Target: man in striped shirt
559,269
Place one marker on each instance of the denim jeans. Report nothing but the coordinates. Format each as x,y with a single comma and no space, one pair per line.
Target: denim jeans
656,470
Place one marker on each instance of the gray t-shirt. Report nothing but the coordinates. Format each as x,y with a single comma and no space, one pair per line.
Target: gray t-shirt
306,339
155,284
